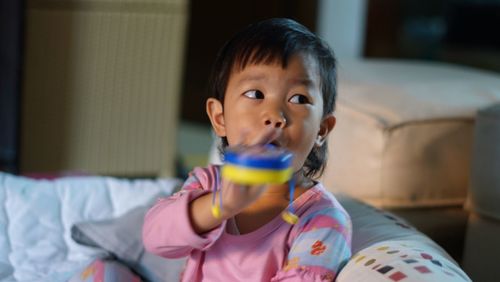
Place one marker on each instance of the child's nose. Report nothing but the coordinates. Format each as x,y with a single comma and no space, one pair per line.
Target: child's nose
276,121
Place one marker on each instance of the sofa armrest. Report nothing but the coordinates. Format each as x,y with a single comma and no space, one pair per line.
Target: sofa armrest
387,248
396,260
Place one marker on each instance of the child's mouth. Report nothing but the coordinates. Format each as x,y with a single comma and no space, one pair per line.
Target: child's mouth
275,143
272,137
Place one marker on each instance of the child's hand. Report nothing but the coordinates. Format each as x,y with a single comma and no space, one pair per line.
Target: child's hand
236,197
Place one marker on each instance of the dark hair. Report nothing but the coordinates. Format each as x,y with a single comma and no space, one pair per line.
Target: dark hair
276,40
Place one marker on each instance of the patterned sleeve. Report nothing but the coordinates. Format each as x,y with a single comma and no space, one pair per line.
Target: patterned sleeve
321,248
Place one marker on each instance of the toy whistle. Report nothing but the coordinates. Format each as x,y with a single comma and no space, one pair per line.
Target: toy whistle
258,165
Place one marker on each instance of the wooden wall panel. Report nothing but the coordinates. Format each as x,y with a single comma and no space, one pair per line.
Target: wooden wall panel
102,86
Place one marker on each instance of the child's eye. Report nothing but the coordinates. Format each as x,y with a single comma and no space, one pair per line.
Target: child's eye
254,94
299,99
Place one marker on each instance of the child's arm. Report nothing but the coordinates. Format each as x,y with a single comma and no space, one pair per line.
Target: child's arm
235,198
168,230
320,249
176,225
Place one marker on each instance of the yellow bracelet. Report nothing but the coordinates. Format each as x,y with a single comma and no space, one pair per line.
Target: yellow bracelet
216,211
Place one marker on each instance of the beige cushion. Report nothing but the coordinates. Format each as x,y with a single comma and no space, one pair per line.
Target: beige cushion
404,131
485,171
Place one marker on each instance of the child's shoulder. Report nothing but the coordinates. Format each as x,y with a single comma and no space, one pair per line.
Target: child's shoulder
323,202
204,177
324,197
207,171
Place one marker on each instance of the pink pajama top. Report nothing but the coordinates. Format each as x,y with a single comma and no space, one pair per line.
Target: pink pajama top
314,249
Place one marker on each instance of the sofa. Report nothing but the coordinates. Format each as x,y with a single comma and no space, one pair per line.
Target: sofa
86,228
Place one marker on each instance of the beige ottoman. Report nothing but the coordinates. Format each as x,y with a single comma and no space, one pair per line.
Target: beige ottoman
404,131
403,140
482,244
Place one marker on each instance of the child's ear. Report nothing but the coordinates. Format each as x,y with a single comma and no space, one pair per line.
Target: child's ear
215,113
326,126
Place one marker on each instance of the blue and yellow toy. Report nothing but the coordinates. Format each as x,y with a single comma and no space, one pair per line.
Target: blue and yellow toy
258,165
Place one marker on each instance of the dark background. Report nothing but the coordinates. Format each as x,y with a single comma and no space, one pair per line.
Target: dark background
214,22
461,32
11,46
455,31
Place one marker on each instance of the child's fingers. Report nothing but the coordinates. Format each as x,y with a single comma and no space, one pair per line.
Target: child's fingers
248,190
239,196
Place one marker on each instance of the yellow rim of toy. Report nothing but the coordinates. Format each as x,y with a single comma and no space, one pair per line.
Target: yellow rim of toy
249,176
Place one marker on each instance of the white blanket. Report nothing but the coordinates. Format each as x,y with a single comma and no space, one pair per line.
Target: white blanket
36,218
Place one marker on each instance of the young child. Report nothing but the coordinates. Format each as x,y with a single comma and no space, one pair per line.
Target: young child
273,83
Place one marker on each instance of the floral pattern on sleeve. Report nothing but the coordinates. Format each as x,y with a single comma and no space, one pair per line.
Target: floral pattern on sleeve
322,247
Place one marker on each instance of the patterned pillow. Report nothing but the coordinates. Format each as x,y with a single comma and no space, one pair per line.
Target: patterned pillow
105,271
408,261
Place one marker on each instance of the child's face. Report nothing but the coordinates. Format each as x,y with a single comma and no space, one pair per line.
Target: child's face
263,99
